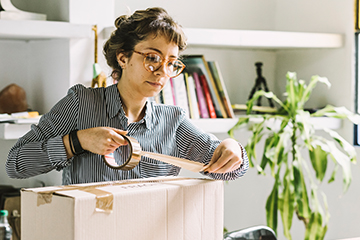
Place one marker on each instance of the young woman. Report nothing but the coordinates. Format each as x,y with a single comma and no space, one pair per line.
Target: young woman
89,122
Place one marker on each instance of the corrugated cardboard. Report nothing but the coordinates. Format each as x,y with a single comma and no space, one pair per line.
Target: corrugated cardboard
171,208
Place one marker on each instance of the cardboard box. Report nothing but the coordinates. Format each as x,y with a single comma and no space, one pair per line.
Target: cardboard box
155,208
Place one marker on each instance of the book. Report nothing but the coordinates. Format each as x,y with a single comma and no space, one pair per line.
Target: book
192,98
204,113
167,94
171,80
198,64
207,95
180,93
220,84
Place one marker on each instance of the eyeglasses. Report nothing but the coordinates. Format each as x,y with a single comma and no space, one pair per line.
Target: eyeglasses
153,62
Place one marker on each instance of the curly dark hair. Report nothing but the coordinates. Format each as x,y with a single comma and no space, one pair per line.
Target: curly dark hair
130,30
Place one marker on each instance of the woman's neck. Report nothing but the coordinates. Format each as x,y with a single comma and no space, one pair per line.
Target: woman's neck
134,108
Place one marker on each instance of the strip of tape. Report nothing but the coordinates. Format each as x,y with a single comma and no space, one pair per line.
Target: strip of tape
104,199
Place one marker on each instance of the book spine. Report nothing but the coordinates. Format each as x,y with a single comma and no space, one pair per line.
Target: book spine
208,97
204,113
181,93
167,94
191,93
175,102
219,108
219,82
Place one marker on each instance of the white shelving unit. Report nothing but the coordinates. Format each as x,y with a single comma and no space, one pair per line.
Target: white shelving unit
220,38
41,30
10,131
257,39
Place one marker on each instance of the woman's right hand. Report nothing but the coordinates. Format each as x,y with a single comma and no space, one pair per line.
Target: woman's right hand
99,140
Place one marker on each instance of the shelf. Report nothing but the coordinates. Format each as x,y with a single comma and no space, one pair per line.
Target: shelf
39,30
11,131
261,39
206,37
218,125
215,125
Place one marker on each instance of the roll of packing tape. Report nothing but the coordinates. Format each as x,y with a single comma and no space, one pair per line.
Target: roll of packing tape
135,154
133,158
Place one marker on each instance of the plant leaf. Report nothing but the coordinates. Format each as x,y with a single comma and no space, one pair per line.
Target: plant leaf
287,203
319,161
332,178
315,230
306,128
314,79
272,207
292,93
242,122
337,112
348,148
302,200
344,162
260,93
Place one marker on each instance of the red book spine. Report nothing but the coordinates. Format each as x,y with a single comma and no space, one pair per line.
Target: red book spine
204,113
208,97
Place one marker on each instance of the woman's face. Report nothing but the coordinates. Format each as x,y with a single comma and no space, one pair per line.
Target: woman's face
136,78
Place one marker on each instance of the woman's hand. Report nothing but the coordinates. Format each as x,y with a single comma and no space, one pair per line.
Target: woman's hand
227,157
99,140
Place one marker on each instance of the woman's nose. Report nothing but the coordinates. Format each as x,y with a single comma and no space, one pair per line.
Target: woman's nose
162,71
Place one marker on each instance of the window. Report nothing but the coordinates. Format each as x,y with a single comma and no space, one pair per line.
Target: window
357,68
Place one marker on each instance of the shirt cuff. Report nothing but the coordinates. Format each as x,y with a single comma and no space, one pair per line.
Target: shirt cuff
57,153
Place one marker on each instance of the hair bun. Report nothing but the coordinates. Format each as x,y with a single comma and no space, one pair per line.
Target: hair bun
120,20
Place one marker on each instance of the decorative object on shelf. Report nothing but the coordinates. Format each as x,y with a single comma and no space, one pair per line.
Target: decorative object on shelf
13,99
99,77
284,146
259,82
9,11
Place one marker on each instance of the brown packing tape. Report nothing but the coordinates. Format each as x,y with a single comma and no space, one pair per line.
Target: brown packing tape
104,199
136,153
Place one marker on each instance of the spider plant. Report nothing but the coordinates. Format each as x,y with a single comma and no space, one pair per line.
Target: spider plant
289,134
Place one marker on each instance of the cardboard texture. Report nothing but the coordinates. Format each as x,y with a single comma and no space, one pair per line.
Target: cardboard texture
171,208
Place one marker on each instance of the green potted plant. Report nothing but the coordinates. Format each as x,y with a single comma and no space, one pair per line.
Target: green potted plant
288,133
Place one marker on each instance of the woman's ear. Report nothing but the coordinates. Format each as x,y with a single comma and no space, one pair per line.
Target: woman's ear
122,59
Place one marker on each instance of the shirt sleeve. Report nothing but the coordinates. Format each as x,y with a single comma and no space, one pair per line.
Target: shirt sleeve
195,144
41,149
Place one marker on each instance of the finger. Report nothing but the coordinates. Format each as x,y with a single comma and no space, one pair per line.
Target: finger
225,163
214,158
118,139
119,131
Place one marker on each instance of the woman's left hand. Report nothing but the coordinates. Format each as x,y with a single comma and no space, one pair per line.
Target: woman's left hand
227,157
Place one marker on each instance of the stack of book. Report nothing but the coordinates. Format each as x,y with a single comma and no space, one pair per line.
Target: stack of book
199,90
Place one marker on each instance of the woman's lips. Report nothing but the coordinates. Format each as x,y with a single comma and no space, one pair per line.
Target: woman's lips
155,84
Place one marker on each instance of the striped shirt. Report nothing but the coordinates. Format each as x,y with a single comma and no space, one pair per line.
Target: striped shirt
164,129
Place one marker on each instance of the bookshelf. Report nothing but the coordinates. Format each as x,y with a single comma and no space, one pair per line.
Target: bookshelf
218,38
11,131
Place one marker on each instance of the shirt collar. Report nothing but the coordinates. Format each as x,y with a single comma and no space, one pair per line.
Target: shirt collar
113,101
114,106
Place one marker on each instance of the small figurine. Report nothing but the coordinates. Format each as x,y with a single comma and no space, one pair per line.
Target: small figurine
99,77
